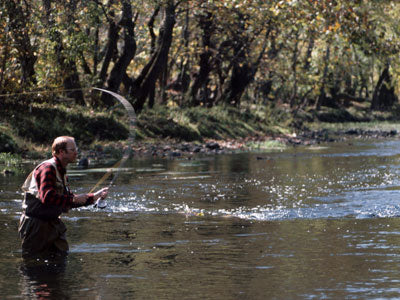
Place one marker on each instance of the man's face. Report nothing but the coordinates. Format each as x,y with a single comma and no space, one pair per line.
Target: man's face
71,152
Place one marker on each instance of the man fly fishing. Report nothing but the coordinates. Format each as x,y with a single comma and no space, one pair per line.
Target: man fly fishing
47,196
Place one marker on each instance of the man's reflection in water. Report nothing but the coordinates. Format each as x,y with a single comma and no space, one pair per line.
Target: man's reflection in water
43,276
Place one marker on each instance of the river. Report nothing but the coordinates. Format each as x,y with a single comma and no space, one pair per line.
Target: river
318,222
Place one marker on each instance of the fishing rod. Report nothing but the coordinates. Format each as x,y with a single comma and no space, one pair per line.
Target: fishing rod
118,166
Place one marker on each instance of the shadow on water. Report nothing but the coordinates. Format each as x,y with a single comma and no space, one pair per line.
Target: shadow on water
43,277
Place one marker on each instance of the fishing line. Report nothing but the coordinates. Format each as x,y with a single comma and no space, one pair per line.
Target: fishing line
44,92
132,121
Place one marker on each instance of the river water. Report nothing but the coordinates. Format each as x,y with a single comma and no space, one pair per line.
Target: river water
303,223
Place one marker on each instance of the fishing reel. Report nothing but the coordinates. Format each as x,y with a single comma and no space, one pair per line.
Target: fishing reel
100,203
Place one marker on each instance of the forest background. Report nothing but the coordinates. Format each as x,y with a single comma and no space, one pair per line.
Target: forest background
193,69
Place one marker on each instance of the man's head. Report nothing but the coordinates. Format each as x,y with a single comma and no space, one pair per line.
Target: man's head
64,148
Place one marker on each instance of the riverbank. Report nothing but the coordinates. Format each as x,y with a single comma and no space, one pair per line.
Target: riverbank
28,130
102,153
173,149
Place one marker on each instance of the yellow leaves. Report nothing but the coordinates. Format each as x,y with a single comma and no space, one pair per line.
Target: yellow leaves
58,19
275,10
172,103
278,8
334,27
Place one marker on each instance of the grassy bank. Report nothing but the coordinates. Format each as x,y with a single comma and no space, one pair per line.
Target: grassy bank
27,130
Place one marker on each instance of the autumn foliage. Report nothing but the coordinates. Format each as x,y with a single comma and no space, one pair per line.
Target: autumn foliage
203,52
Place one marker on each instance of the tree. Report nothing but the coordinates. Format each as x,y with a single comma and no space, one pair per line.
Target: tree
119,69
18,15
384,96
68,68
201,52
144,84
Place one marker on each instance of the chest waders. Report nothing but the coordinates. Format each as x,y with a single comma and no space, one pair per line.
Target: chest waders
40,227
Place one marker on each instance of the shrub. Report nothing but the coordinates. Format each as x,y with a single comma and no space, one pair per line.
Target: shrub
7,144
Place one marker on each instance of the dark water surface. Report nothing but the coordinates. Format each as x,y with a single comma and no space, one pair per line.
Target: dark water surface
306,223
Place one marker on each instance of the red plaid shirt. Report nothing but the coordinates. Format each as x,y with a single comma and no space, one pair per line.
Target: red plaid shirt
46,180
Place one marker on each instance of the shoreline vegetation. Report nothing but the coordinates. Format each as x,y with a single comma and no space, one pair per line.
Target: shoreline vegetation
28,130
202,76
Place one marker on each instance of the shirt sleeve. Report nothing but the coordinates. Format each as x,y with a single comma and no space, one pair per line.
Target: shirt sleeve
46,178
89,201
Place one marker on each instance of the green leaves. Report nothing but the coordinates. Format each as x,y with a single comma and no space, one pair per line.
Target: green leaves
282,41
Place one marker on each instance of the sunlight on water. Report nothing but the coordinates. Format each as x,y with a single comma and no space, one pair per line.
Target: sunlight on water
340,188
309,222
100,248
331,207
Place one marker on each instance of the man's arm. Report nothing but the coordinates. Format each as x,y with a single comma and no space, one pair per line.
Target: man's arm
46,178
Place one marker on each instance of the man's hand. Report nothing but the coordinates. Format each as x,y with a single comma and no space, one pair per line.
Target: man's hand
101,194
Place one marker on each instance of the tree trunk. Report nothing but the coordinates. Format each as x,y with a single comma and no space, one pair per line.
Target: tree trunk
322,96
201,78
67,66
144,85
243,71
18,24
96,50
180,84
119,69
150,25
111,48
384,96
4,55
241,77
293,97
71,83
310,48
